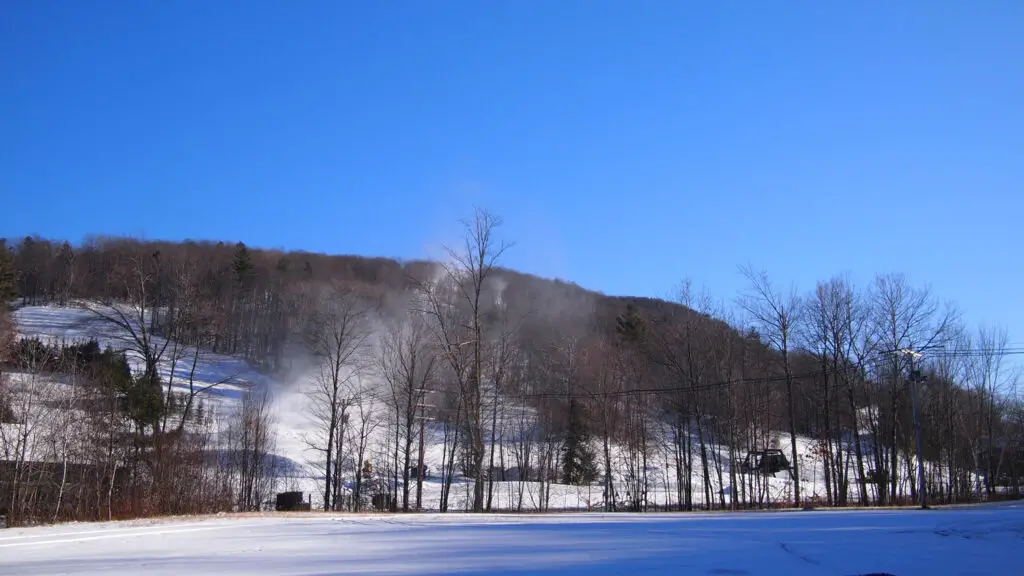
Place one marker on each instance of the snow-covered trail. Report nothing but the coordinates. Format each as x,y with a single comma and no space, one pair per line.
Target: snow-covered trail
981,540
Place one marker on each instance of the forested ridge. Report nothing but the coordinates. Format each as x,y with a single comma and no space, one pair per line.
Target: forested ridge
838,364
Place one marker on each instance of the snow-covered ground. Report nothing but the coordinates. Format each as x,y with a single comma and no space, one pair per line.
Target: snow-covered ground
294,425
986,540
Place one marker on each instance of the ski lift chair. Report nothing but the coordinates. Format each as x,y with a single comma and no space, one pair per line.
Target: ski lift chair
767,462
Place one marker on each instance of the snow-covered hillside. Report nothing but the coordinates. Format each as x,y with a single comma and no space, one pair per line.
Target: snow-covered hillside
230,376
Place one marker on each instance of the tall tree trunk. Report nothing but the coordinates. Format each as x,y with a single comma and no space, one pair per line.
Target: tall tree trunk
792,425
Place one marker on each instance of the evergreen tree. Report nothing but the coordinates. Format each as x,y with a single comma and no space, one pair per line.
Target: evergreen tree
630,326
283,264
243,270
65,272
578,460
242,266
29,276
8,278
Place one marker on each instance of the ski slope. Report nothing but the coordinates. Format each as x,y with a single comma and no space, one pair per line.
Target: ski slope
984,540
294,426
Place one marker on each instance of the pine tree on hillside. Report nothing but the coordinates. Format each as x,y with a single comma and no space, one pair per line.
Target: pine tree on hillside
578,461
630,326
283,265
64,273
28,278
243,272
8,278
242,266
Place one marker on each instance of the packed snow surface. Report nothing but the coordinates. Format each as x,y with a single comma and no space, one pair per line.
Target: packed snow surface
978,540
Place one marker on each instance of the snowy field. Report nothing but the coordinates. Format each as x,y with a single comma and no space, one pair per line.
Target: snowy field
978,540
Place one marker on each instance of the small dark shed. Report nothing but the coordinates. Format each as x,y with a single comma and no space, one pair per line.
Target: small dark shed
291,501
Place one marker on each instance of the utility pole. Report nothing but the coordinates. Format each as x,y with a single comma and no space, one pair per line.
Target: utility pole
914,378
419,466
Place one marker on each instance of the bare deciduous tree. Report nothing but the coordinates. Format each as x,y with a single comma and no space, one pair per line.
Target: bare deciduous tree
251,443
903,318
406,365
991,381
366,421
776,315
130,315
338,338
462,283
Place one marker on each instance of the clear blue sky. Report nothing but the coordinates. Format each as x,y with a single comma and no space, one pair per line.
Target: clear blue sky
627,144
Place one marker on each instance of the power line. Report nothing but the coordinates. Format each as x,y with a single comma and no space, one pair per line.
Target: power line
681,388
941,352
690,388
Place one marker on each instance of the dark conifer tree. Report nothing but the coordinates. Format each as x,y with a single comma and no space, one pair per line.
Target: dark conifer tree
64,273
578,461
242,267
243,272
8,277
630,326
28,280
